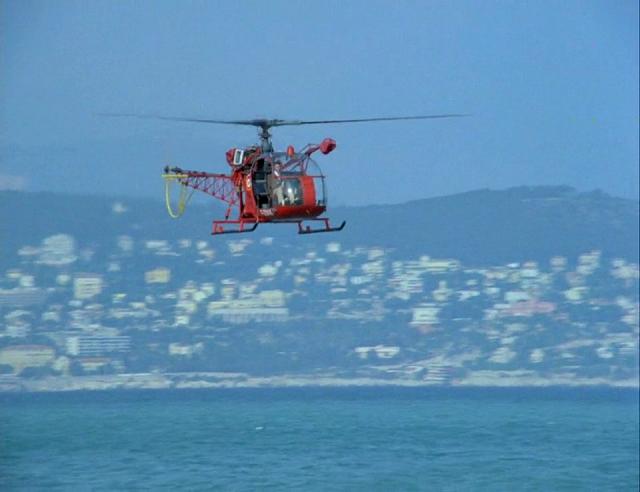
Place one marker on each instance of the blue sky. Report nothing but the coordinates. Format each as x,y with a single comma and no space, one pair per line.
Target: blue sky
552,86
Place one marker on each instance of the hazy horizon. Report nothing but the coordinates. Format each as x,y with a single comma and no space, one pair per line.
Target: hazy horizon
204,200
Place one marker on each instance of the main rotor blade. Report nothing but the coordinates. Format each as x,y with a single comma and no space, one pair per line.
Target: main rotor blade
361,120
255,122
265,123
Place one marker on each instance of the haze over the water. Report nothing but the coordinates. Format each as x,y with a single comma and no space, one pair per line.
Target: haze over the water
552,86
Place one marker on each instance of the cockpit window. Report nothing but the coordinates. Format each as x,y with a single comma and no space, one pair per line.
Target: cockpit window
287,192
294,165
313,169
285,175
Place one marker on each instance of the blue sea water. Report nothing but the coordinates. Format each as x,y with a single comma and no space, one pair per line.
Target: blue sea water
321,439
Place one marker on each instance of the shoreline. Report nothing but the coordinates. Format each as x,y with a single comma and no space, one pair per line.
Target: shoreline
179,381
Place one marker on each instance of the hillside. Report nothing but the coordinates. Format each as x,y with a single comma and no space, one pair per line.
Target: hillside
482,227
527,286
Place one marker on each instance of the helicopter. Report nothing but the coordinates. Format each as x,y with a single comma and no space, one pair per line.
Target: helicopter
264,185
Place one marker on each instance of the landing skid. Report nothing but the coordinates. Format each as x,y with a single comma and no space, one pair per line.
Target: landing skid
242,225
305,229
218,227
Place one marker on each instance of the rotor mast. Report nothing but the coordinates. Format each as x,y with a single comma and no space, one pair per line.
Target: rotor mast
265,138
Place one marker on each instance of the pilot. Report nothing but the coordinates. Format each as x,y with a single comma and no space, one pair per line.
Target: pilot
292,194
277,193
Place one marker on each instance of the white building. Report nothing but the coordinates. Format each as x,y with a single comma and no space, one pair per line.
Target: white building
237,247
88,346
272,298
514,296
268,270
442,293
439,265
380,351
57,250
87,285
159,275
185,350
425,314
245,315
333,247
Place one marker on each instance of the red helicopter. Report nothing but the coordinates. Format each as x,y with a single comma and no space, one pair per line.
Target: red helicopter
265,185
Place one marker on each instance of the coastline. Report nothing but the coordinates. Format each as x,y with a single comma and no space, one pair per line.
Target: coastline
177,381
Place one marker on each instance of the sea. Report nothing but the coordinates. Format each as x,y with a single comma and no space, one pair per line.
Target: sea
322,439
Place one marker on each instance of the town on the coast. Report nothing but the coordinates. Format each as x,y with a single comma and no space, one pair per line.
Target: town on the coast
135,312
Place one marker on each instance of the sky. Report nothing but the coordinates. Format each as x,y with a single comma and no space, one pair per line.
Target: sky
551,86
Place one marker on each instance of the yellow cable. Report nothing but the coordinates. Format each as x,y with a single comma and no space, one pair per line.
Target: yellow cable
184,198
